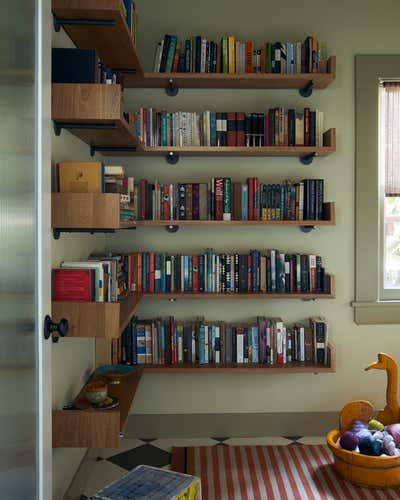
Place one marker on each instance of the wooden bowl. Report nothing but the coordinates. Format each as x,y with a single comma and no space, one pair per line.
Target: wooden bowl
364,470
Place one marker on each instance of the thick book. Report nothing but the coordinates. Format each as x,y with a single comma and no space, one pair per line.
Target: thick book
75,66
73,285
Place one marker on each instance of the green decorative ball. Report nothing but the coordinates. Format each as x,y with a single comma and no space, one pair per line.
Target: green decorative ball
375,425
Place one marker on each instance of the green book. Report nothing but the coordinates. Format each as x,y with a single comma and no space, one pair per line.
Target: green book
171,54
164,128
267,57
224,45
227,199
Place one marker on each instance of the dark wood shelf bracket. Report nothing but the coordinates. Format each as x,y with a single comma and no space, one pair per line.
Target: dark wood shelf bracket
58,22
171,90
57,231
171,228
111,149
58,126
307,90
307,159
172,158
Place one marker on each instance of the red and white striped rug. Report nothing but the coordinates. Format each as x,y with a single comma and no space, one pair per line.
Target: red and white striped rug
269,472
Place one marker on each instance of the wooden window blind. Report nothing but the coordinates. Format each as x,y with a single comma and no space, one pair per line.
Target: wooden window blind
391,136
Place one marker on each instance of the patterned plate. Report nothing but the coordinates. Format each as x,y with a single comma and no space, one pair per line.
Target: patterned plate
107,404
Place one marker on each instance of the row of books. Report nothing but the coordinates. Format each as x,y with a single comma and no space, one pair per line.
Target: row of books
270,271
263,341
223,199
109,277
275,127
128,8
200,55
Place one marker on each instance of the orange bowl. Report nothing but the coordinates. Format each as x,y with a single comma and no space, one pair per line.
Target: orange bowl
364,470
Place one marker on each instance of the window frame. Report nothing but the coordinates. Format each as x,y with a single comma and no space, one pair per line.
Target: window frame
370,306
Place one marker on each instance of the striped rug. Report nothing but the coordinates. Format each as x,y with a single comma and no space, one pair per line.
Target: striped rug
297,472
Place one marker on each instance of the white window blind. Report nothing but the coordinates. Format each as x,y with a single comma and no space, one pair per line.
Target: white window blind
391,137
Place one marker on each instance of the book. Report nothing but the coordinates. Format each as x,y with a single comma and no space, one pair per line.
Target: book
80,177
73,285
75,66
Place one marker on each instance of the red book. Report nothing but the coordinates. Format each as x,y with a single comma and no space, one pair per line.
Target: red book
195,201
286,129
262,58
219,198
195,271
144,119
231,129
143,192
175,64
250,199
240,129
151,273
166,202
249,57
172,335
249,276
73,285
306,126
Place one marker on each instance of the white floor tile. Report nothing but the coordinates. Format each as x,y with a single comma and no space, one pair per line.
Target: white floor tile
260,441
103,473
312,440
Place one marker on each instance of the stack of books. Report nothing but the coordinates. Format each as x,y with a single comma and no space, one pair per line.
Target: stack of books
275,127
270,271
225,200
265,341
200,55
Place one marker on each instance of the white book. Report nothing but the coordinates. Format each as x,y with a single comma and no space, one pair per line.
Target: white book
203,55
239,348
284,338
157,57
114,170
302,348
217,271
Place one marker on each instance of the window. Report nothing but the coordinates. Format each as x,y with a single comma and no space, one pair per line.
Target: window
377,256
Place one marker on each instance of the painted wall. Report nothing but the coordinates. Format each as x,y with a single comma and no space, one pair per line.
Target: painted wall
349,28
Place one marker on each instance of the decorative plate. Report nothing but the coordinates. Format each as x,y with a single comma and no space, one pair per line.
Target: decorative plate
107,404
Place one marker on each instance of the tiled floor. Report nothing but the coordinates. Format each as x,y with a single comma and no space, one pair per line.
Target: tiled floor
105,466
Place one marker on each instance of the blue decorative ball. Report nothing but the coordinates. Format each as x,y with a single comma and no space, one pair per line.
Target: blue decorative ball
349,441
368,446
358,425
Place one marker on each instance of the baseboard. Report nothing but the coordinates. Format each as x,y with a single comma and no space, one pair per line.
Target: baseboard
230,424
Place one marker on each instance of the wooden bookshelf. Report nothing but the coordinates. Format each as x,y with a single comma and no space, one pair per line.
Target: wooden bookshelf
84,427
114,44
251,81
105,320
84,109
87,211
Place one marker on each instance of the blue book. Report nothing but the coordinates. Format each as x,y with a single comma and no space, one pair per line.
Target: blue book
213,128
145,275
163,272
157,273
162,342
209,270
244,202
187,56
128,8
133,343
282,201
141,344
164,129
202,344
213,342
254,345
190,273
201,273
103,178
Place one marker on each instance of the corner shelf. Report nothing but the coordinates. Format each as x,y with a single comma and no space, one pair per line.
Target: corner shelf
103,320
99,24
233,81
86,212
85,427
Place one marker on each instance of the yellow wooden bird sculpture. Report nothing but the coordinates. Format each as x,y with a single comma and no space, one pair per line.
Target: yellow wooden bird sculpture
391,412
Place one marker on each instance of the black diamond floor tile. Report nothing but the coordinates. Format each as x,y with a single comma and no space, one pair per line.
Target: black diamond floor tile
147,440
220,439
146,455
293,438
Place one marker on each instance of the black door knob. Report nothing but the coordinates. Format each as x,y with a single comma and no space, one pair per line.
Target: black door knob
49,328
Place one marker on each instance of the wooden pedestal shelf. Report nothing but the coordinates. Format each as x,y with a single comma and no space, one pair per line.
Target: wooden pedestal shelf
87,211
88,428
101,429
113,43
233,81
105,320
93,113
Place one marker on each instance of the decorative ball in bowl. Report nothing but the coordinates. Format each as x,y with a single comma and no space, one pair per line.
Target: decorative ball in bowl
96,392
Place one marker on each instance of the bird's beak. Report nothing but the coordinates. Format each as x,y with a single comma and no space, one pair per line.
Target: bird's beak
372,366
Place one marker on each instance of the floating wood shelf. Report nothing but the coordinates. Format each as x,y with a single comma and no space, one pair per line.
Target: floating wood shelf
93,113
86,211
233,81
85,427
90,428
112,41
105,320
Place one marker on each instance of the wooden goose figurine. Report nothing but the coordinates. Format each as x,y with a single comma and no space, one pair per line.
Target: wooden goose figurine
391,413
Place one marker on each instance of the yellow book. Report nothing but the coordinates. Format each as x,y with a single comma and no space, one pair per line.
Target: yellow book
80,177
231,54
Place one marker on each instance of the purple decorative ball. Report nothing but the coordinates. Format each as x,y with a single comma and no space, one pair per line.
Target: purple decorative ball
349,441
358,425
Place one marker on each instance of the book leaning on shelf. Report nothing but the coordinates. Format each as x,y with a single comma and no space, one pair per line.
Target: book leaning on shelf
265,341
199,55
225,200
275,127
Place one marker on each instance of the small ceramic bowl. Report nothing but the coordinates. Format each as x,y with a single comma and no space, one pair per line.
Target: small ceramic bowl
96,392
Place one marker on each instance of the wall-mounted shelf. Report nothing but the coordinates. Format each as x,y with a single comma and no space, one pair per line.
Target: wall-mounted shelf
90,428
86,212
253,81
84,427
99,24
105,320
